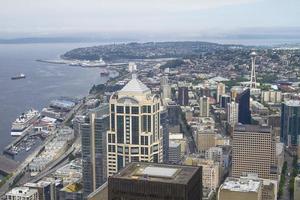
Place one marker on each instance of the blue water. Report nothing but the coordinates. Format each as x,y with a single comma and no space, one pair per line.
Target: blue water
43,83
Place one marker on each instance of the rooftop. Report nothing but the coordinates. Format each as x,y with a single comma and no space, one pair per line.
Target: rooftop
135,85
294,103
252,128
241,185
158,172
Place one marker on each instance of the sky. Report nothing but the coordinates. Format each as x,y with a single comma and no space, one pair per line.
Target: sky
20,18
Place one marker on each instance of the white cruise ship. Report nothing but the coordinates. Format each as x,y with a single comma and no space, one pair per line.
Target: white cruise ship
23,122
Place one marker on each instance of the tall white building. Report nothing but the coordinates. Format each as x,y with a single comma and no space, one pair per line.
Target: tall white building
232,113
220,91
204,106
134,133
165,88
24,193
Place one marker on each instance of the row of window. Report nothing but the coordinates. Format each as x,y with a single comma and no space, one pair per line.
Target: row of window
134,109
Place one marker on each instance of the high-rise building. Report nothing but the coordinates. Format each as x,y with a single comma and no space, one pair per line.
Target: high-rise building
174,112
254,151
204,106
240,188
290,122
151,181
243,99
164,122
93,141
165,88
210,171
135,133
232,112
174,152
183,96
220,91
24,193
224,100
271,96
46,189
297,188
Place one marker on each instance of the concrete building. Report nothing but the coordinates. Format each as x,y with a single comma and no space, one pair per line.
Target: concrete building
152,181
210,171
232,112
174,152
220,91
240,189
204,106
271,96
297,188
254,151
46,189
290,122
135,133
23,193
165,88
93,141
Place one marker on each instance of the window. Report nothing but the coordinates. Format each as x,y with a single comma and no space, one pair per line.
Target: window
120,129
112,122
112,107
134,110
120,109
135,129
127,110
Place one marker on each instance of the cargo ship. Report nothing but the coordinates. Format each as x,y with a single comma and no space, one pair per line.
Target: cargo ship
23,122
20,76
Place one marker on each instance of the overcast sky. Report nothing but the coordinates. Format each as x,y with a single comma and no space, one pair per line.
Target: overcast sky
51,17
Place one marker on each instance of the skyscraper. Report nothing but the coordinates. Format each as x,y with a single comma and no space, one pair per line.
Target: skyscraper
290,122
164,121
151,181
204,106
254,151
243,99
183,95
93,135
232,112
165,88
224,100
134,133
220,91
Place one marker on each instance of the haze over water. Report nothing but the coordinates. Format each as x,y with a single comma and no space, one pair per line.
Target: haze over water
44,82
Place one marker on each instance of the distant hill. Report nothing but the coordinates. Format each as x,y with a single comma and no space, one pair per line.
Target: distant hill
149,50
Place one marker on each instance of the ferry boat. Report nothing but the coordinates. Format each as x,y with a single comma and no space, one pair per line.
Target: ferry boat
23,122
104,73
20,76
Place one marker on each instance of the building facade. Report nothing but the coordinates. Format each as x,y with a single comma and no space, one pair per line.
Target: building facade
204,106
290,122
183,96
134,134
24,193
243,99
93,141
151,181
232,112
254,151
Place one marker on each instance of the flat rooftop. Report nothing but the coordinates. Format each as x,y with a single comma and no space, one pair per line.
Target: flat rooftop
294,103
157,172
241,185
252,128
